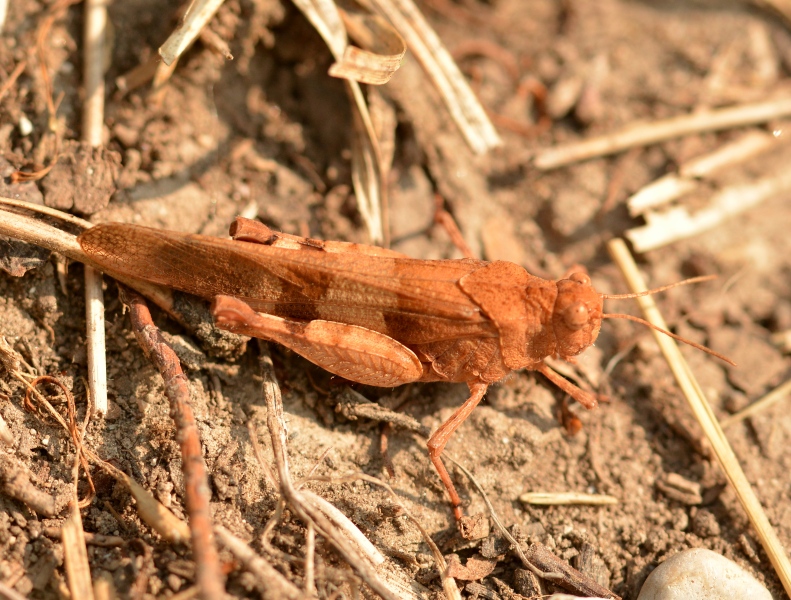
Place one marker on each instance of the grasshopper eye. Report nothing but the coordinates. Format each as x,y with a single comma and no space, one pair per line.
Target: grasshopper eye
576,316
580,277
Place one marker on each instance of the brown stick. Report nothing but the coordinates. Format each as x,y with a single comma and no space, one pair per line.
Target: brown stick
15,483
196,485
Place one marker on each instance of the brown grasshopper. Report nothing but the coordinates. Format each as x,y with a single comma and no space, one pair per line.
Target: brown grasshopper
372,315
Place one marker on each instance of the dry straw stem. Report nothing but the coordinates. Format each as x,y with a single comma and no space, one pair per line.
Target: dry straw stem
304,510
75,552
704,415
676,224
194,20
271,584
342,524
37,232
465,110
6,591
777,394
563,498
448,583
643,134
674,185
92,129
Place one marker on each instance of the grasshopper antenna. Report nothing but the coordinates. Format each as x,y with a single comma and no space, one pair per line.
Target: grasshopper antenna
654,327
673,335
659,289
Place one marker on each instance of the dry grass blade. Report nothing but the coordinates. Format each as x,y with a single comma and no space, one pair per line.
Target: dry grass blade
468,114
367,163
380,55
46,210
195,19
346,527
643,134
777,394
705,417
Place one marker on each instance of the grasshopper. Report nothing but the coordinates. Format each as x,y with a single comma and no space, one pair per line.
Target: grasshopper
373,315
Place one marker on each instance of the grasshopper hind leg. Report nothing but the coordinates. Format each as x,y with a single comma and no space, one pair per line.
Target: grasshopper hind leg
352,352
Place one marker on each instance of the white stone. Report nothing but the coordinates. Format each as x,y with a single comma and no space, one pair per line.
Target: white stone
700,574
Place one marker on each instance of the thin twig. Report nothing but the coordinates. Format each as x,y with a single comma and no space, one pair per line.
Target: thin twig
643,134
196,485
704,415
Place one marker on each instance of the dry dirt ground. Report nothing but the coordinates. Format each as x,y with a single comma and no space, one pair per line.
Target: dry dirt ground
271,129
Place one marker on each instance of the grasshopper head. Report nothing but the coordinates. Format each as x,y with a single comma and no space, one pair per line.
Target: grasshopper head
577,315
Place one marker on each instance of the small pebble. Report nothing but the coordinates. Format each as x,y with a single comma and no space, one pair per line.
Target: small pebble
25,126
700,574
